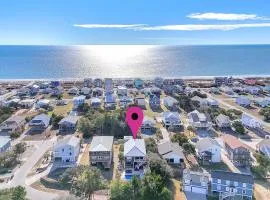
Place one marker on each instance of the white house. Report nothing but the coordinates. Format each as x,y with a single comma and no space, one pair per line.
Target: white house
85,91
27,103
67,150
148,125
95,102
223,121
73,91
262,102
198,120
195,182
135,157
170,102
78,101
68,124
251,122
43,103
171,120
208,150
242,101
122,90
212,102
252,90
202,102
140,100
171,152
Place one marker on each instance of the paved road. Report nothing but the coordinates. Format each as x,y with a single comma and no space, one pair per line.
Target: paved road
220,101
20,174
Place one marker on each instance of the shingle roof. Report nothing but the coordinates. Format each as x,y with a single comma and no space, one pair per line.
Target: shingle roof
42,117
167,148
69,119
243,178
205,143
72,141
232,141
101,143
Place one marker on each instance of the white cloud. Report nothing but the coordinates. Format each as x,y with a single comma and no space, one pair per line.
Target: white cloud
225,16
120,26
201,27
180,27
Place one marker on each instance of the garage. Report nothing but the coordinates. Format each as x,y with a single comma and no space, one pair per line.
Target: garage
198,190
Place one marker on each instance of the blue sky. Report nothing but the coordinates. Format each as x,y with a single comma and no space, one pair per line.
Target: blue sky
70,22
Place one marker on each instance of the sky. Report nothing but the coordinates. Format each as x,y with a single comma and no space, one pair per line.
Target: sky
143,22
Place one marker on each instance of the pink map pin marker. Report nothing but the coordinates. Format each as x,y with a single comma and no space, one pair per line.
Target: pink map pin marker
134,119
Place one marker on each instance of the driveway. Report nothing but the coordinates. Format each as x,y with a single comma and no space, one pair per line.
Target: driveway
20,174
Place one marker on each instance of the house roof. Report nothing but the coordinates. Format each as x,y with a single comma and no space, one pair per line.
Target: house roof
223,118
232,141
171,115
81,97
134,147
170,99
140,96
72,141
195,176
69,119
148,120
4,140
167,148
224,175
205,143
42,117
264,147
197,116
101,143
95,100
15,118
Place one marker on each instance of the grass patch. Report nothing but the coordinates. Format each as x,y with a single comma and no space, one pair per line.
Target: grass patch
63,110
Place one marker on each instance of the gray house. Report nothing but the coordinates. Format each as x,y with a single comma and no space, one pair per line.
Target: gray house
68,124
230,185
12,125
39,122
100,151
171,152
238,153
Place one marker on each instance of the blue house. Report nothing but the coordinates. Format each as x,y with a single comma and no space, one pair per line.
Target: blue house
229,185
154,101
138,83
109,102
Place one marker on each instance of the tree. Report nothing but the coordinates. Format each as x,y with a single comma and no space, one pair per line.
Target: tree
87,180
55,120
85,127
19,193
121,157
266,113
151,145
188,148
180,139
160,167
120,190
19,148
153,188
238,127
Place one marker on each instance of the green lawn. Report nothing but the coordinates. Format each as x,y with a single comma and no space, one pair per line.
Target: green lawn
62,110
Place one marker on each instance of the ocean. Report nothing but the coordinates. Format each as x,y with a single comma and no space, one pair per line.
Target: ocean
121,61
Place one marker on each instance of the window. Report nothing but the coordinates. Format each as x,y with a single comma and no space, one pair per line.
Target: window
235,183
227,189
244,191
218,187
219,181
227,182
244,185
